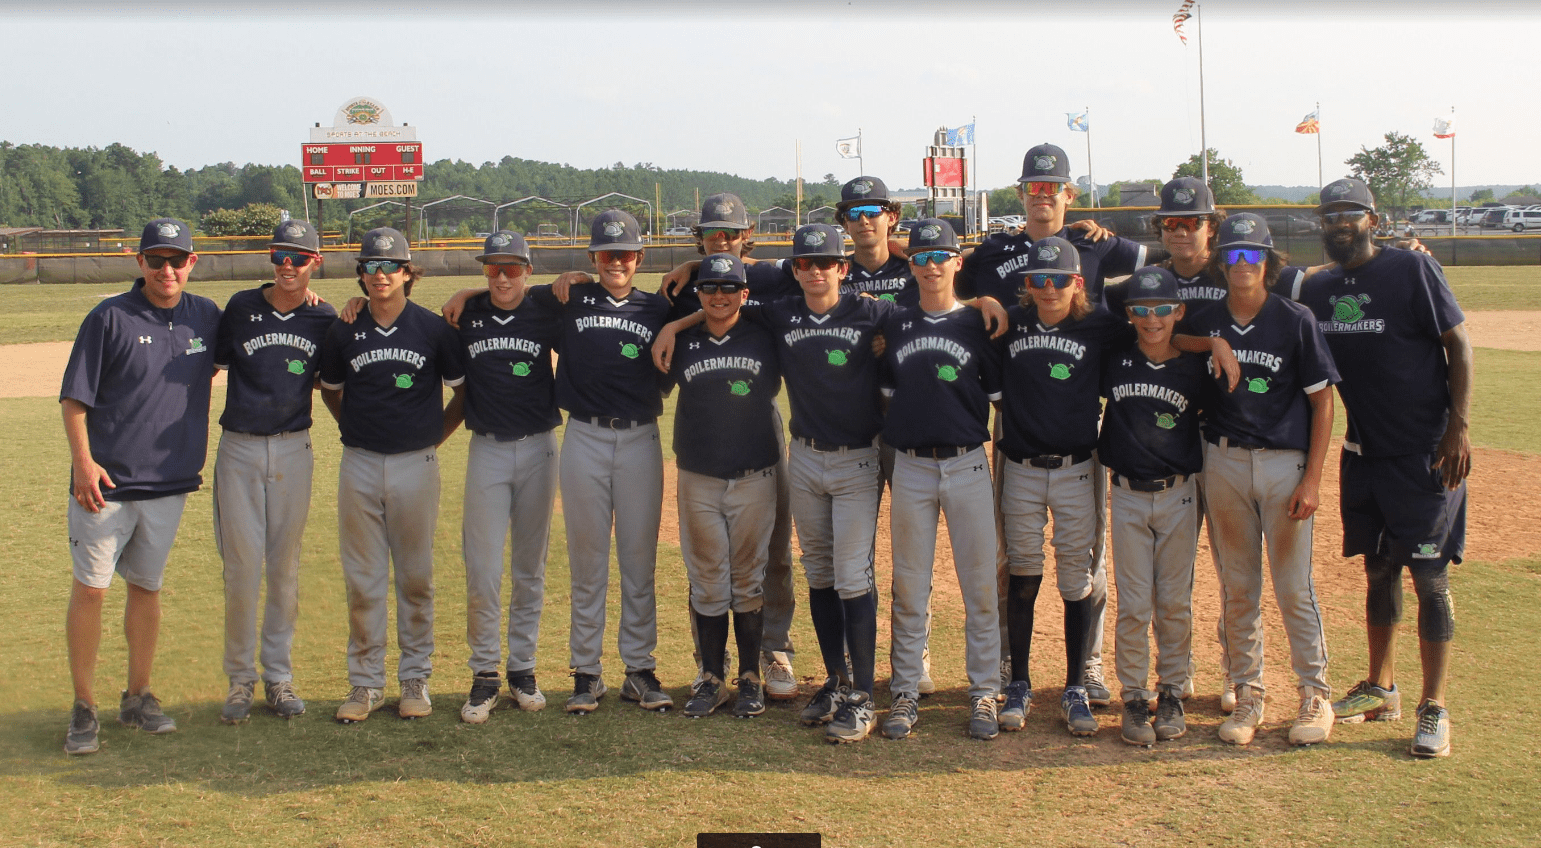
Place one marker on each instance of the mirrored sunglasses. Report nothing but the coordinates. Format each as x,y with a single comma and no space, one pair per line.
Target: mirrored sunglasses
726,232
1044,188
298,260
823,263
510,270
1043,281
1184,224
1237,255
1160,311
1348,215
930,256
380,266
606,257
863,212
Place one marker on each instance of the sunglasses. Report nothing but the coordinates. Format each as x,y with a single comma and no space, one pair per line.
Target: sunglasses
1046,189
823,263
380,266
1237,255
298,260
930,256
725,288
491,270
1340,217
1043,281
158,262
725,232
863,212
1184,224
1161,311
624,257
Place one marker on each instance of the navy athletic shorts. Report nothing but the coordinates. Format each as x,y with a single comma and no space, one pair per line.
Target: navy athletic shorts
1397,507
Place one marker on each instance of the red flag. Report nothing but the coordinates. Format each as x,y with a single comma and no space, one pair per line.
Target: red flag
1308,124
1182,15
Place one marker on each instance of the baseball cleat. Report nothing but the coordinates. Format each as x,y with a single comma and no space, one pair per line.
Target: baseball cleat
1432,739
780,680
706,697
144,712
1077,712
587,690
1313,724
644,688
983,721
282,700
1368,702
526,694
925,686
821,710
361,701
1242,724
1136,726
1097,693
1019,702
854,720
902,716
483,699
414,702
1170,722
237,707
750,702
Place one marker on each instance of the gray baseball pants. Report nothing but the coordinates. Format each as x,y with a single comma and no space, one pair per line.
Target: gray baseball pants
780,602
387,511
923,490
835,497
1155,540
1247,497
261,502
725,531
1028,497
612,477
509,485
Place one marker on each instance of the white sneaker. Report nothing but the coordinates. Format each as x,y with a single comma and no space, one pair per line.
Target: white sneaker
525,693
780,681
483,699
1314,723
1242,724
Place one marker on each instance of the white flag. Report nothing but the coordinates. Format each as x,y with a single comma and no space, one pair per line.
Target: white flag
848,148
1444,127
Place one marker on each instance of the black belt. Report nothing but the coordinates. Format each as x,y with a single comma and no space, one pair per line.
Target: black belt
943,452
487,434
1161,485
1233,443
1048,461
829,447
609,423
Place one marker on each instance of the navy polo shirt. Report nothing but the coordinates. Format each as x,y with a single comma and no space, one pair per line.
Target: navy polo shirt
998,265
144,375
506,355
271,358
1053,381
1150,429
392,401
1283,358
606,367
767,282
940,373
724,423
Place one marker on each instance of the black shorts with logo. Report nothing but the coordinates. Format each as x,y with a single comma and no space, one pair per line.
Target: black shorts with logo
1398,507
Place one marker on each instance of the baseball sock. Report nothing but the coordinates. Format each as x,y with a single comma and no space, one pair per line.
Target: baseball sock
861,635
748,629
1078,619
713,630
1021,596
829,626
1383,596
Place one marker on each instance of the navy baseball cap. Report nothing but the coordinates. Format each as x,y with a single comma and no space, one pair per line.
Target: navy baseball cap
166,232
504,244
1152,283
818,240
615,229
1186,197
721,268
384,243
1046,163
1348,191
1245,229
933,234
724,210
296,235
1053,255
863,190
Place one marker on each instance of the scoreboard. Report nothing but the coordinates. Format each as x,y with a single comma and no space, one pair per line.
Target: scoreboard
367,162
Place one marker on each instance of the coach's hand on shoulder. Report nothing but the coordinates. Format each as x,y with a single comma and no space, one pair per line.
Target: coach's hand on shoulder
351,309
456,304
313,299
1092,230
561,284
675,281
86,481
994,314
663,348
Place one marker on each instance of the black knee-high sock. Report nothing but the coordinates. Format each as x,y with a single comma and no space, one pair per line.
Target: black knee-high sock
713,633
748,630
861,636
1078,624
1021,596
829,626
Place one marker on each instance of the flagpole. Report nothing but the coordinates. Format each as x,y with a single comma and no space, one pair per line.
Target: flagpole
1452,171
973,181
1198,13
861,166
797,213
1091,175
1319,183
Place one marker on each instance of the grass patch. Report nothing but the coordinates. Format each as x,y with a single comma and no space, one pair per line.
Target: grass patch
1505,414
1496,286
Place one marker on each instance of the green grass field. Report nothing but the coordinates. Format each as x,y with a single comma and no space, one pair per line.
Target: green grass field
625,777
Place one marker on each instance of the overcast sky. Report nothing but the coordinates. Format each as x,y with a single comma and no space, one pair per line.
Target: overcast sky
735,87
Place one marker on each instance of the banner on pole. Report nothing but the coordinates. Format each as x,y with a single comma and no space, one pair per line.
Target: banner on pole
961,136
1178,19
1309,124
848,148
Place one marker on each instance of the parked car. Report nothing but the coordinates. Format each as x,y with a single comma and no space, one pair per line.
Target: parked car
1520,220
677,231
1492,217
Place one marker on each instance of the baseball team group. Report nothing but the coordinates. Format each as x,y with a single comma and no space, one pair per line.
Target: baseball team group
1195,391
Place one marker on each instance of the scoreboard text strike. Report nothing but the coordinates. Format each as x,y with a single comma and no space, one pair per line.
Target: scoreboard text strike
362,163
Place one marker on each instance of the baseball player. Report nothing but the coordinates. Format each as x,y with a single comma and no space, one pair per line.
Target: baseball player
506,342
380,378
1399,341
728,452
135,404
269,345
1150,441
941,374
1263,454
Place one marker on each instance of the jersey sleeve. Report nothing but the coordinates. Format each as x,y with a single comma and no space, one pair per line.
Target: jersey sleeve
447,351
1122,256
1317,369
1435,304
543,296
224,342
990,363
965,285
83,373
333,368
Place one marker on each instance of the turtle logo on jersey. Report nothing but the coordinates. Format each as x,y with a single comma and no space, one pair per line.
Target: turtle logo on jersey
629,350
614,229
1182,195
195,346
168,230
1243,226
1348,308
931,232
888,296
403,381
1044,163
1166,420
294,366
1258,385
721,266
836,357
861,187
739,387
1048,253
1059,371
947,373
814,238
521,369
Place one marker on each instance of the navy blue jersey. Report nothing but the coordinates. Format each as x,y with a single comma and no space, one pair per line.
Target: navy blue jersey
892,281
998,265
827,361
767,282
271,358
940,373
606,367
1053,381
1151,427
506,354
1283,358
1383,322
392,401
144,375
724,423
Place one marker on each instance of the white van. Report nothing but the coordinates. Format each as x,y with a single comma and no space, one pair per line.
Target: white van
1520,220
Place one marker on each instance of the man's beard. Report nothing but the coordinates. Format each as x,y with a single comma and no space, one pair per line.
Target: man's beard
1341,254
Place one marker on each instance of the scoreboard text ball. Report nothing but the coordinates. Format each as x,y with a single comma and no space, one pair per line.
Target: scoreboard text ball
361,163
